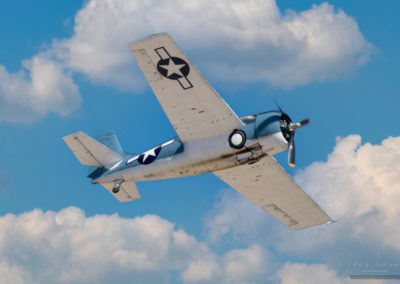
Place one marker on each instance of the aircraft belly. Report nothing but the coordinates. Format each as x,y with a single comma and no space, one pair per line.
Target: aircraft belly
201,157
209,155
198,157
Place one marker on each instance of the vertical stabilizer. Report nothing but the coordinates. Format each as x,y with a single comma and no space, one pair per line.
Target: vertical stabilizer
109,138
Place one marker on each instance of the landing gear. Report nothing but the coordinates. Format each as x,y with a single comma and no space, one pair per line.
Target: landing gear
237,139
115,189
117,185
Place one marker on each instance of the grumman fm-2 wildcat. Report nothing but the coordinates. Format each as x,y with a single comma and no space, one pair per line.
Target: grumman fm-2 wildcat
211,138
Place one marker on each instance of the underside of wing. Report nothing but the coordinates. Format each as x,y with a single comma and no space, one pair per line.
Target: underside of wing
270,187
194,108
128,191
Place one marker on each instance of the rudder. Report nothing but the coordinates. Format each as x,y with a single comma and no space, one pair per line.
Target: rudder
109,138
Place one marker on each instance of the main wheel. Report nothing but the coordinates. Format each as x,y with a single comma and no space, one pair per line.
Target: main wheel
237,139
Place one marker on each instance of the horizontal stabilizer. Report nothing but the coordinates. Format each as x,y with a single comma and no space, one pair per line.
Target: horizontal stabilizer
127,191
89,151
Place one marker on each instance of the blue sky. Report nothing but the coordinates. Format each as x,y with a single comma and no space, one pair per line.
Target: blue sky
354,90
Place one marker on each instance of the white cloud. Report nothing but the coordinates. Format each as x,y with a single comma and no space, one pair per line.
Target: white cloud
359,185
245,263
249,265
201,270
42,87
294,273
233,40
235,215
69,247
365,175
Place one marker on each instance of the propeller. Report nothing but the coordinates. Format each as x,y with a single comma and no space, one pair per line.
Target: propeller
291,127
288,129
291,151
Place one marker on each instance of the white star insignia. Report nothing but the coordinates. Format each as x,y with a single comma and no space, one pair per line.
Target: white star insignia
148,153
173,68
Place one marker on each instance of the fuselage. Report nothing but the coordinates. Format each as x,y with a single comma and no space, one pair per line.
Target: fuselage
264,136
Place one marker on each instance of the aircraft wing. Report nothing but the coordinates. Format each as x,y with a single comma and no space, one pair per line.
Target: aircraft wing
270,187
194,108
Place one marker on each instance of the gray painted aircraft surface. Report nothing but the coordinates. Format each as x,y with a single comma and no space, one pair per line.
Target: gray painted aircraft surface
211,138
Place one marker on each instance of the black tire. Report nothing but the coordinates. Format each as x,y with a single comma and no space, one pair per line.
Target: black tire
115,189
237,139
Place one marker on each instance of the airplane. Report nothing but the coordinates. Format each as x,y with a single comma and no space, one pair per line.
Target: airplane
211,138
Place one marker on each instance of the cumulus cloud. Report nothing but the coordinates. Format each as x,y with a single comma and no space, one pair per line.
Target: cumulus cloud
69,247
236,216
293,273
234,40
254,257
42,87
358,185
236,266
231,40
367,177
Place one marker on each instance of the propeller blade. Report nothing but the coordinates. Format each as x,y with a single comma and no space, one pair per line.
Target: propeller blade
291,151
304,122
277,104
294,126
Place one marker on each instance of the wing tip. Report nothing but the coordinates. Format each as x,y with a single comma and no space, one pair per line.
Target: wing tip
132,44
325,222
72,134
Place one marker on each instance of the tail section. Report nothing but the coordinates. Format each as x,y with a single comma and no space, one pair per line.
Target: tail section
91,152
100,155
